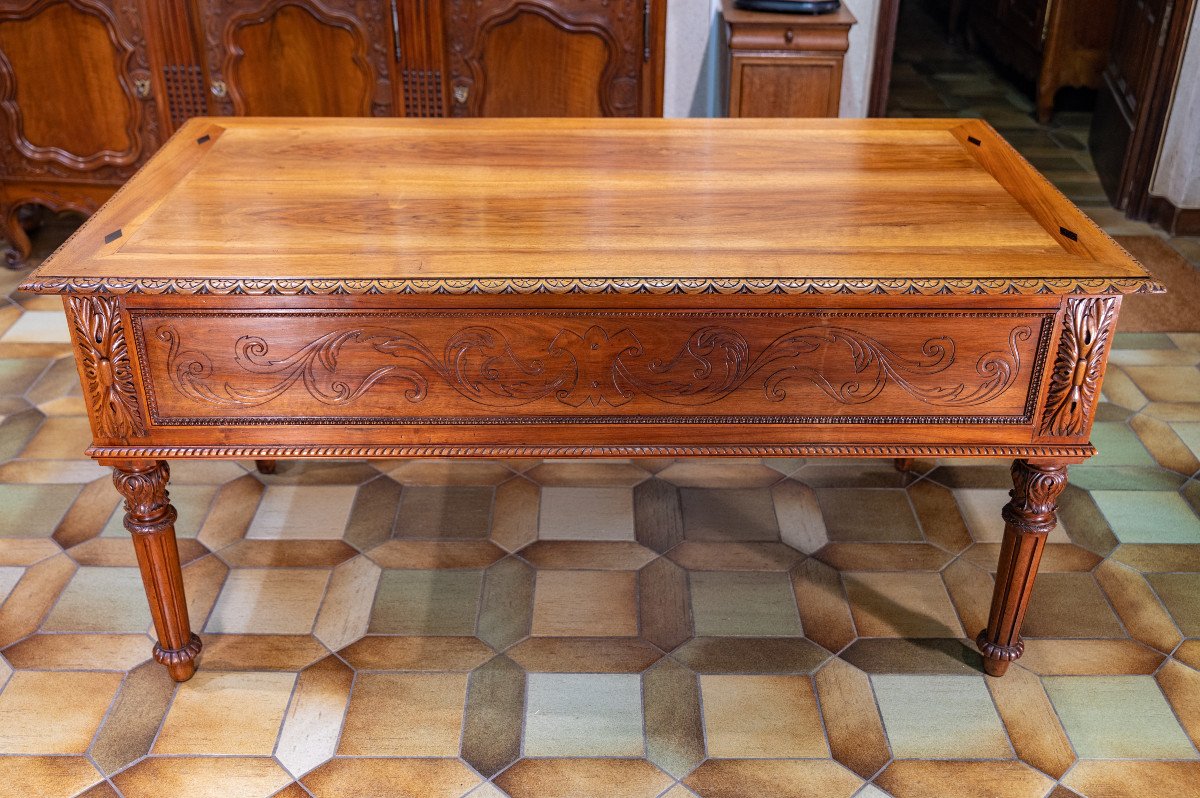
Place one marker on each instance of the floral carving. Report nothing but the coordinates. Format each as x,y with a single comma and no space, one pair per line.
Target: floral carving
103,353
147,506
594,367
1075,382
1034,496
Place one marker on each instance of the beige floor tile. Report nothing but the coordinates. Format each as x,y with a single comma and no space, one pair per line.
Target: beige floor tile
62,438
724,473
394,714
981,510
191,502
199,721
1167,383
749,717
313,721
448,472
38,327
101,600
46,776
202,777
269,601
901,605
586,514
346,609
303,511
515,513
394,778
63,651
34,718
585,604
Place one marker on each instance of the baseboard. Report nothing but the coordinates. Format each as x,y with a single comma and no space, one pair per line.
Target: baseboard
1176,221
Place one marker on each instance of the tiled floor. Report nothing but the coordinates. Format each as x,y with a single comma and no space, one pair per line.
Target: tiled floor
719,629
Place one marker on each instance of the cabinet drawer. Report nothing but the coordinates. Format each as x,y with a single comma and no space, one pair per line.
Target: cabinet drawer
455,367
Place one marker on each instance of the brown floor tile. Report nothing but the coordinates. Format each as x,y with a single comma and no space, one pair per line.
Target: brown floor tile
320,472
202,777
939,516
102,790
1164,444
584,655
1060,657
444,511
1063,792
345,612
1031,721
51,471
26,551
260,652
202,583
1056,557
287,553
1180,593
373,514
446,472
232,511
753,717
583,778
33,596
914,655
970,590
824,608
427,653
311,726
101,652
884,556
585,604
88,515
722,473
507,610
856,736
951,779
35,720
46,776
697,555
430,704
1069,605
585,473
1132,779
119,552
720,514
657,515
766,655
852,473
664,604
293,790
868,515
270,600
425,554
617,555
801,524
751,778
1181,685
1189,653
901,605
1087,526
515,514
134,717
674,726
198,721
491,737
1159,557
1138,607
395,778
62,438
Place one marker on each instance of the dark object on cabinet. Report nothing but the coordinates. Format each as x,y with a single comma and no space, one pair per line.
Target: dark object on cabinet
791,6
785,65
1132,106
89,89
1056,43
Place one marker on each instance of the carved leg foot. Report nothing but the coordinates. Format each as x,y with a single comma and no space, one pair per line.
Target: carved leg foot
150,519
904,464
265,466
19,246
1028,519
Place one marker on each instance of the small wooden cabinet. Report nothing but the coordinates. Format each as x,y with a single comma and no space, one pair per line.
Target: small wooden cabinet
89,89
786,65
1056,43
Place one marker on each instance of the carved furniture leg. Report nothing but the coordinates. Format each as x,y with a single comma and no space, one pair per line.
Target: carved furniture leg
265,466
19,246
1028,518
904,464
150,519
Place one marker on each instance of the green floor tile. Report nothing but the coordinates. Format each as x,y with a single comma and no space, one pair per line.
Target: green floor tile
32,511
583,714
1148,516
940,717
1118,445
736,604
1118,717
426,602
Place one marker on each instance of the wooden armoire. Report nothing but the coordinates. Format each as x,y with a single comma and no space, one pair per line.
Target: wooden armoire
89,89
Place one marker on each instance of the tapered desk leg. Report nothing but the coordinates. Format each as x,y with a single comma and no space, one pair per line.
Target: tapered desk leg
150,519
1028,518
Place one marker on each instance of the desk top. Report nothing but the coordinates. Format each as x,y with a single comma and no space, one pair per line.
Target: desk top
290,206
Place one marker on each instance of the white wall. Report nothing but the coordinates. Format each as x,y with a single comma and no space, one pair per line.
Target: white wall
1177,174
694,71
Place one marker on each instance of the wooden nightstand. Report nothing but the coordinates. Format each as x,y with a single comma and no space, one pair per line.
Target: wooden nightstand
785,64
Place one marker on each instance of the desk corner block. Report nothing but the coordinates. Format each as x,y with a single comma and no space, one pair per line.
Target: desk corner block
150,520
1029,517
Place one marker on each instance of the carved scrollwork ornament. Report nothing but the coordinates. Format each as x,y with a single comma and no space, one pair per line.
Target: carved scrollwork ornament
1035,496
1075,383
147,505
108,373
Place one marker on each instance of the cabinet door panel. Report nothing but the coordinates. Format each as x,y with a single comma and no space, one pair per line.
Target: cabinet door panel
74,86
299,57
545,58
772,86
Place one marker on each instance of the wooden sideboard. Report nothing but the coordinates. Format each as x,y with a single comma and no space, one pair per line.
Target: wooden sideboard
89,89
1056,43
785,65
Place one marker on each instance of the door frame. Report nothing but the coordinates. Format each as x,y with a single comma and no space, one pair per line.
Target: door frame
885,50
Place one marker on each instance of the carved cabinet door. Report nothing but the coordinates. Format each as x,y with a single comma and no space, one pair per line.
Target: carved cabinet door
298,57
76,95
552,57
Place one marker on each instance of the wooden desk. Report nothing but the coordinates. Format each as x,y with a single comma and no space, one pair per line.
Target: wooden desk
373,288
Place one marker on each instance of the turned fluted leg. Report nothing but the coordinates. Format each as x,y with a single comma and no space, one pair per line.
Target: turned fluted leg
150,519
1028,518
